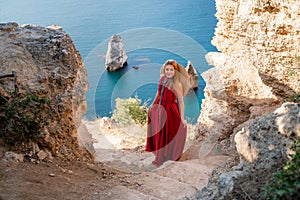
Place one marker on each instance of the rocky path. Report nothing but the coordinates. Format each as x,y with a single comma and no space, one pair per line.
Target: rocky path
172,180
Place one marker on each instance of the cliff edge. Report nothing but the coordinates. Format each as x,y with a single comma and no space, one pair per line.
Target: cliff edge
47,66
256,70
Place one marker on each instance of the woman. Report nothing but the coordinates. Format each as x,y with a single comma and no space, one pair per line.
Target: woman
166,131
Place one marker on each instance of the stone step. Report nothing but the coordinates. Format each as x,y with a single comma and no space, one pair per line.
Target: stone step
163,187
126,161
192,172
122,193
172,180
214,160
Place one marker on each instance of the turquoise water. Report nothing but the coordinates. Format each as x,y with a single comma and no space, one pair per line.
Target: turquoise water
152,32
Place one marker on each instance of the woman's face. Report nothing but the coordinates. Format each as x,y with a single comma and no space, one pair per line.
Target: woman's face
169,71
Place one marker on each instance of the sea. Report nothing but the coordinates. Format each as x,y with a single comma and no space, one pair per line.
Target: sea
152,32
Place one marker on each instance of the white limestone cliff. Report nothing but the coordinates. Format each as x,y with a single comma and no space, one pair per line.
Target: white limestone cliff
256,69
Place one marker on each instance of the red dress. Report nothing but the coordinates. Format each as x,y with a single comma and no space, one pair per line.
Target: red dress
166,133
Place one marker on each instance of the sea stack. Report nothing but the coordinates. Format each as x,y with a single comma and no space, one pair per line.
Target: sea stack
116,57
193,75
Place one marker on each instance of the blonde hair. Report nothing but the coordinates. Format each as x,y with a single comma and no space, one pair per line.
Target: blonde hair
180,76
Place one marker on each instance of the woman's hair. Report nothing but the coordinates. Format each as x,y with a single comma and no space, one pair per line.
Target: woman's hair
180,76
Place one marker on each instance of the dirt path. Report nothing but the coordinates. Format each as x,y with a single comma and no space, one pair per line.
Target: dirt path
56,180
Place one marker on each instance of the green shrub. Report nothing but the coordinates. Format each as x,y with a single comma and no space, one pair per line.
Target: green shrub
285,184
130,111
23,118
296,98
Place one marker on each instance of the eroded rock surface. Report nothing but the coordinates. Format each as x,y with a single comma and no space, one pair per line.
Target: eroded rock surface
263,147
48,65
257,68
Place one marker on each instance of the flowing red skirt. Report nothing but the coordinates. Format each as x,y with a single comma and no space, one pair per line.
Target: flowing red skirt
166,134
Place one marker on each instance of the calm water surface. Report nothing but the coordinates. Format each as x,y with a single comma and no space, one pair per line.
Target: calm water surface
152,32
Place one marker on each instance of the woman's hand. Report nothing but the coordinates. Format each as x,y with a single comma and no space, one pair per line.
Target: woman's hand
184,122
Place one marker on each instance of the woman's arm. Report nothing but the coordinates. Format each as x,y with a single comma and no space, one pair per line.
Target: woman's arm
154,99
179,91
159,85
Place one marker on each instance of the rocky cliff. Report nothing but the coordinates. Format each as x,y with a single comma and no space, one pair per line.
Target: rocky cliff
256,69
48,65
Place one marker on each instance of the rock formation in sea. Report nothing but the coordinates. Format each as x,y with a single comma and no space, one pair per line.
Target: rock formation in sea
192,74
116,57
48,65
254,72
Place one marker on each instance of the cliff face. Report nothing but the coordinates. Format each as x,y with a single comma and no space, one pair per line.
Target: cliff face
257,67
265,35
47,63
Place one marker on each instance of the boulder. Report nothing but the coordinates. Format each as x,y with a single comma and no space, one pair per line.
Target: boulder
263,147
116,57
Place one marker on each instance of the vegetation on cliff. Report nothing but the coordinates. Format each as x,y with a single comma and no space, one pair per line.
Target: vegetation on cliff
22,119
285,184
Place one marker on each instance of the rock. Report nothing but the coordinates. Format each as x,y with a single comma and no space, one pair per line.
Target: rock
263,147
42,155
192,74
49,157
35,148
116,57
55,27
105,122
8,27
227,180
86,138
13,157
48,65
288,120
263,143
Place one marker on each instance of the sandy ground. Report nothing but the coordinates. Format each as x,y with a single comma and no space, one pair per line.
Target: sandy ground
56,180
